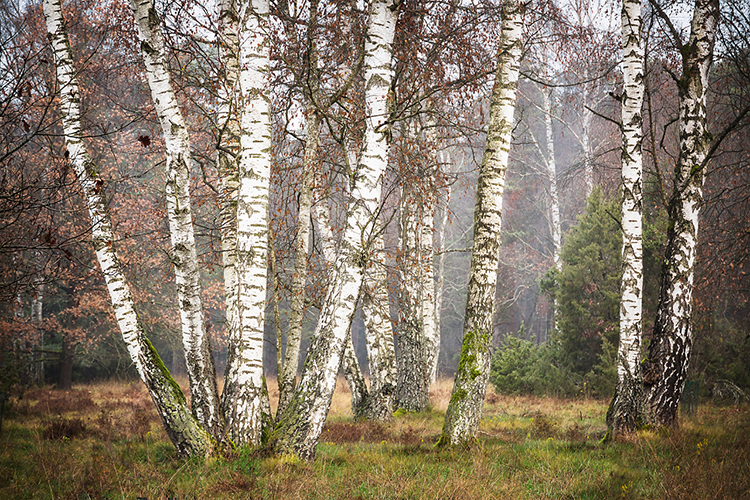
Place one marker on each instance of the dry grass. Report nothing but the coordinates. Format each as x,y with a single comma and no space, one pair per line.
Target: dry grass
105,441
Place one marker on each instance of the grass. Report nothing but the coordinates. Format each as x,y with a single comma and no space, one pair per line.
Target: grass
105,441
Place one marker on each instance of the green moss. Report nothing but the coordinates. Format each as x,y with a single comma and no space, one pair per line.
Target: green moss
458,395
473,344
176,389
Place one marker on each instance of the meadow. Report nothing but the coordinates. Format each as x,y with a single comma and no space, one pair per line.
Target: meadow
105,441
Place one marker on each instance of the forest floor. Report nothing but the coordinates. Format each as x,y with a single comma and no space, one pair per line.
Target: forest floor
105,441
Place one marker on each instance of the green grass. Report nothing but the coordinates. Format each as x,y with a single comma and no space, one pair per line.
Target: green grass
105,441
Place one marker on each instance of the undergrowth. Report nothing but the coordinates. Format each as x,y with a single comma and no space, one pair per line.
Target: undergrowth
105,441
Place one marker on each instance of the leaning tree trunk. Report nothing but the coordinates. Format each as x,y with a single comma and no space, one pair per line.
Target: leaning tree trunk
198,358
299,427
665,370
183,429
245,404
625,407
465,407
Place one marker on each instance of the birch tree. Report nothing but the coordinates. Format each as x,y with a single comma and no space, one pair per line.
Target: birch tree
301,423
182,427
470,386
665,369
228,151
199,361
244,402
624,410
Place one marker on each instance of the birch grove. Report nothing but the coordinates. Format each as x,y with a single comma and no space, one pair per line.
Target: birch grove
185,431
302,422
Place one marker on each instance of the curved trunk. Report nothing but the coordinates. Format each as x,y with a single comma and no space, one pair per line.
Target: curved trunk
183,429
198,359
665,370
465,407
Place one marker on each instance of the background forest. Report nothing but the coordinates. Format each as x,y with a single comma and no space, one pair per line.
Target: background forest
557,302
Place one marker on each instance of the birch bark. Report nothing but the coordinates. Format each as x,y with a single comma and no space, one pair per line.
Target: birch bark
470,386
665,369
625,407
554,205
300,425
245,404
199,361
381,354
182,427
228,150
442,214
412,389
288,376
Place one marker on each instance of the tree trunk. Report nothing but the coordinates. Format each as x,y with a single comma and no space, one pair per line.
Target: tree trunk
442,211
355,380
182,427
381,354
666,368
625,408
412,389
554,205
198,358
65,377
465,407
299,428
245,404
287,377
228,151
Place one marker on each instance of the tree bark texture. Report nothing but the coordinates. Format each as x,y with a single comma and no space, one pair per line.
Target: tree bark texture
665,369
381,353
470,386
554,205
198,358
412,389
245,403
184,430
625,408
288,375
299,427
228,127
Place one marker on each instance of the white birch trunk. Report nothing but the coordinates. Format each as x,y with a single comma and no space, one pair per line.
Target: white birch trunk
442,211
287,378
299,428
288,375
245,399
624,410
412,389
554,202
665,370
381,354
228,150
465,406
198,358
588,168
182,427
